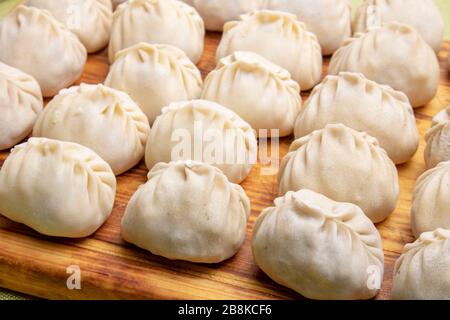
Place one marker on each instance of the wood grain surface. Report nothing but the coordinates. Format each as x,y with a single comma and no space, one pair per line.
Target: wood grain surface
111,269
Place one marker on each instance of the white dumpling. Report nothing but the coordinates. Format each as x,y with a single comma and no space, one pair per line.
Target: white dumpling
431,200
155,76
20,103
442,117
329,20
169,22
262,93
422,15
203,131
33,41
364,105
57,188
395,55
320,248
187,211
90,20
344,165
103,119
423,270
438,139
279,37
216,13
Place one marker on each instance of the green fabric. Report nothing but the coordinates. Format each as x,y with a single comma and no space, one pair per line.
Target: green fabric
7,5
8,295
444,5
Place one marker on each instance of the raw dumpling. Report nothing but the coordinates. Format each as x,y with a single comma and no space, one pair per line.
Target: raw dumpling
363,105
395,55
422,15
216,13
187,211
345,165
262,93
442,117
318,247
203,131
103,119
431,200
36,43
329,20
438,140
155,76
422,271
90,20
57,188
280,38
20,103
159,22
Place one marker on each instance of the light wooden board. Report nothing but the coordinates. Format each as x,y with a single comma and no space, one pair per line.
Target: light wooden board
36,265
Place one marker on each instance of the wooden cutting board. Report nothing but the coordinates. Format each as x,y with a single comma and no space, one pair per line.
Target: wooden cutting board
112,269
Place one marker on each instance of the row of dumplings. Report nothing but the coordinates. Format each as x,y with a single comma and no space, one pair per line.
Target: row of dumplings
251,87
189,210
303,28
207,212
399,47
274,91
330,20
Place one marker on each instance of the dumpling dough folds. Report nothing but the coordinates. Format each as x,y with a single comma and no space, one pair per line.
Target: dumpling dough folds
116,3
216,13
57,188
20,103
422,15
155,76
203,131
33,41
395,55
187,211
438,139
280,38
90,20
364,105
422,271
158,22
329,20
431,200
344,165
103,119
318,247
262,93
